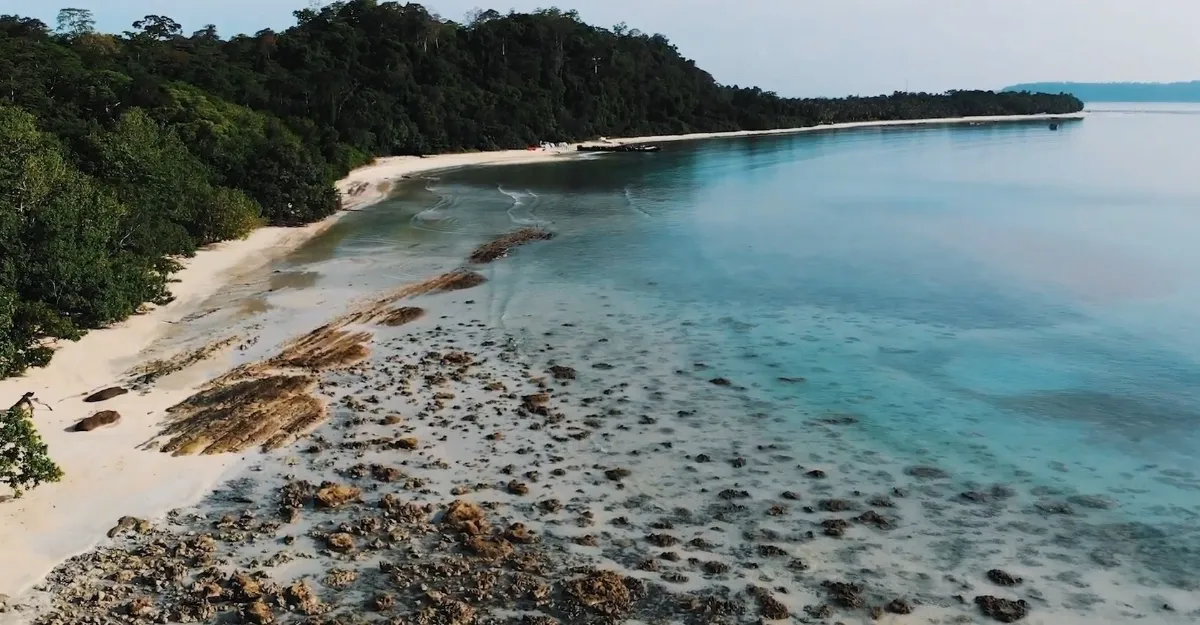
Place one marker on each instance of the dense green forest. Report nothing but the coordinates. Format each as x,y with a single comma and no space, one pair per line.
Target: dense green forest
124,152
1120,91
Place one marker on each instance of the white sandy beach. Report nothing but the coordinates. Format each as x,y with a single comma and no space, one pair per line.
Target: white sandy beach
107,476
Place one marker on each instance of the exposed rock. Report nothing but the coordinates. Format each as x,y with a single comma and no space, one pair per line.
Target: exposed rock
816,474
244,587
332,495
100,419
604,592
518,488
340,578
258,613
772,609
518,533
303,599
715,567
108,393
587,540
129,523
466,517
1000,578
720,382
407,442
494,548
1003,610
385,602
899,606
341,542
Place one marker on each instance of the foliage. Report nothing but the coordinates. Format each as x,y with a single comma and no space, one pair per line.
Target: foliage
124,152
24,461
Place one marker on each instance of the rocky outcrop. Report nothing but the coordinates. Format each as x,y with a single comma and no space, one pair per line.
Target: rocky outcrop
105,394
98,420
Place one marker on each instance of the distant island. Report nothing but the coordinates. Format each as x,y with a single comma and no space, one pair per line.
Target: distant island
124,152
1118,91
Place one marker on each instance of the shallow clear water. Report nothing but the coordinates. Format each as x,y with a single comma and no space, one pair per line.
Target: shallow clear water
1010,304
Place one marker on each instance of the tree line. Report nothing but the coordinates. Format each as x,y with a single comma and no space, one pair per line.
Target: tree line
125,152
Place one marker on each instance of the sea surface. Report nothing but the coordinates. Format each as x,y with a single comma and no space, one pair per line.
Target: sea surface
1015,307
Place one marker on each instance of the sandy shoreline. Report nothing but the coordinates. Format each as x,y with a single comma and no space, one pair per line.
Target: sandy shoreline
106,475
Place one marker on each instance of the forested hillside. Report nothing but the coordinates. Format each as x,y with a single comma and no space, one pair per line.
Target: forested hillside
122,152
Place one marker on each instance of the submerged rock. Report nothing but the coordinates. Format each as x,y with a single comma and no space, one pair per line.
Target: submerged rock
845,594
1000,578
1003,610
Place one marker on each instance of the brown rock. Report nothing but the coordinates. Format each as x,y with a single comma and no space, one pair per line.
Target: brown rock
518,488
245,587
333,495
494,548
303,599
258,613
124,523
518,533
340,578
98,420
341,542
772,608
385,602
407,442
466,517
604,592
108,393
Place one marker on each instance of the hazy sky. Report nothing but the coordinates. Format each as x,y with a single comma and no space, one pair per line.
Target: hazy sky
820,47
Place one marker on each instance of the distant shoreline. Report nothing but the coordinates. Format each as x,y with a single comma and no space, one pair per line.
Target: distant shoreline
107,476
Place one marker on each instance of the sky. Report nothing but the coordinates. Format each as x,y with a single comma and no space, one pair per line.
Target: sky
817,47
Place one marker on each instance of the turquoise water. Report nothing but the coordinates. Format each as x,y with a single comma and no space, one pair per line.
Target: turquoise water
1010,304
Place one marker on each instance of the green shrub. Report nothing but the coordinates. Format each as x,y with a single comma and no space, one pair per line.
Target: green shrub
24,459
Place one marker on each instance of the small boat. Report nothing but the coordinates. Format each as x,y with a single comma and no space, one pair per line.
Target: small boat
1053,126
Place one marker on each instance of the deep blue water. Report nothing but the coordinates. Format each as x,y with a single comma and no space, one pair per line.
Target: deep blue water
1010,303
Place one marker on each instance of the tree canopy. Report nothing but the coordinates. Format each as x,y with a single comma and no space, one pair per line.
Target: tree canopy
125,151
